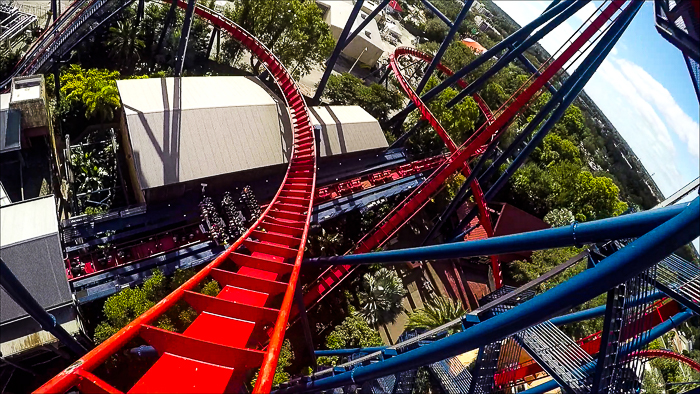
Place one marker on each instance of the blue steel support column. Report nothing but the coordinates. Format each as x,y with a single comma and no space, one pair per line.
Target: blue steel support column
530,67
653,334
336,51
437,13
607,42
563,98
518,50
168,20
54,9
621,227
600,311
514,38
365,22
19,294
619,267
184,38
445,43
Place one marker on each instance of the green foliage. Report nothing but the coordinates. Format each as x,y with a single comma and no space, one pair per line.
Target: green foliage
351,333
453,184
8,62
347,89
565,185
435,313
94,91
541,262
555,149
293,30
124,43
459,121
285,360
128,304
211,288
381,297
559,217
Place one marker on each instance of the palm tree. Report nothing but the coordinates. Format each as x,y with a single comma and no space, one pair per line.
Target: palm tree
381,300
436,312
124,43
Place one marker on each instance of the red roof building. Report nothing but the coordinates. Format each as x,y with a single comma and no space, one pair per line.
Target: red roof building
475,46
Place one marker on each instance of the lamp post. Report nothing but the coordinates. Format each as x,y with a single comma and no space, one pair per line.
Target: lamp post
357,60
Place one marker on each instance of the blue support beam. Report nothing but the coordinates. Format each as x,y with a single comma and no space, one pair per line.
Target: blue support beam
518,50
437,13
626,226
337,50
531,67
619,267
496,50
445,43
558,104
599,311
21,296
184,38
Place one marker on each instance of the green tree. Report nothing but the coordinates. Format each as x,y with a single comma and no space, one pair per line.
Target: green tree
381,297
7,63
435,313
124,43
123,307
555,149
353,332
293,30
285,360
93,91
559,217
347,89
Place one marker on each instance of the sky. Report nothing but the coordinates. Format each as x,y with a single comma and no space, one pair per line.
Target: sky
644,89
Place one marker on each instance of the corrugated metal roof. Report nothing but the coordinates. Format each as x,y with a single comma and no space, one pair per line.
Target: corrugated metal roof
228,124
346,129
27,220
31,248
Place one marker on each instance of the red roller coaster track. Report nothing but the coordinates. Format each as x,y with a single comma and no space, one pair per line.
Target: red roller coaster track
226,340
421,195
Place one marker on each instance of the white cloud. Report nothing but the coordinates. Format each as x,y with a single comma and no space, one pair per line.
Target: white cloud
646,115
653,92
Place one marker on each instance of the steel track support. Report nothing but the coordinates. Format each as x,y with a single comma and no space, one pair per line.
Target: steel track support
531,68
561,101
336,51
184,38
496,50
609,342
166,26
445,43
520,48
19,294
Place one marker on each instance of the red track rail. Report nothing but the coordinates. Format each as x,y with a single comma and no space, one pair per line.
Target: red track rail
484,217
421,195
667,354
219,350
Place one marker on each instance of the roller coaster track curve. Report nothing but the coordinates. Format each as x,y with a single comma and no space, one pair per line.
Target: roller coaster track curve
260,273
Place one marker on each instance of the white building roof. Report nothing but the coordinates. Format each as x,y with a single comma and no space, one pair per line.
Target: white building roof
339,14
346,129
227,124
27,220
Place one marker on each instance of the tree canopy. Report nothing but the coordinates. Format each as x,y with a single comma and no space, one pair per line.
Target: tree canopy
435,313
353,332
347,89
293,30
381,297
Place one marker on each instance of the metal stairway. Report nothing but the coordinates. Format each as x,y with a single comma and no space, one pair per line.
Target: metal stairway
558,355
680,280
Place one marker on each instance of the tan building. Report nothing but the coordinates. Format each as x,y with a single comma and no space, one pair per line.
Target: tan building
217,129
367,46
